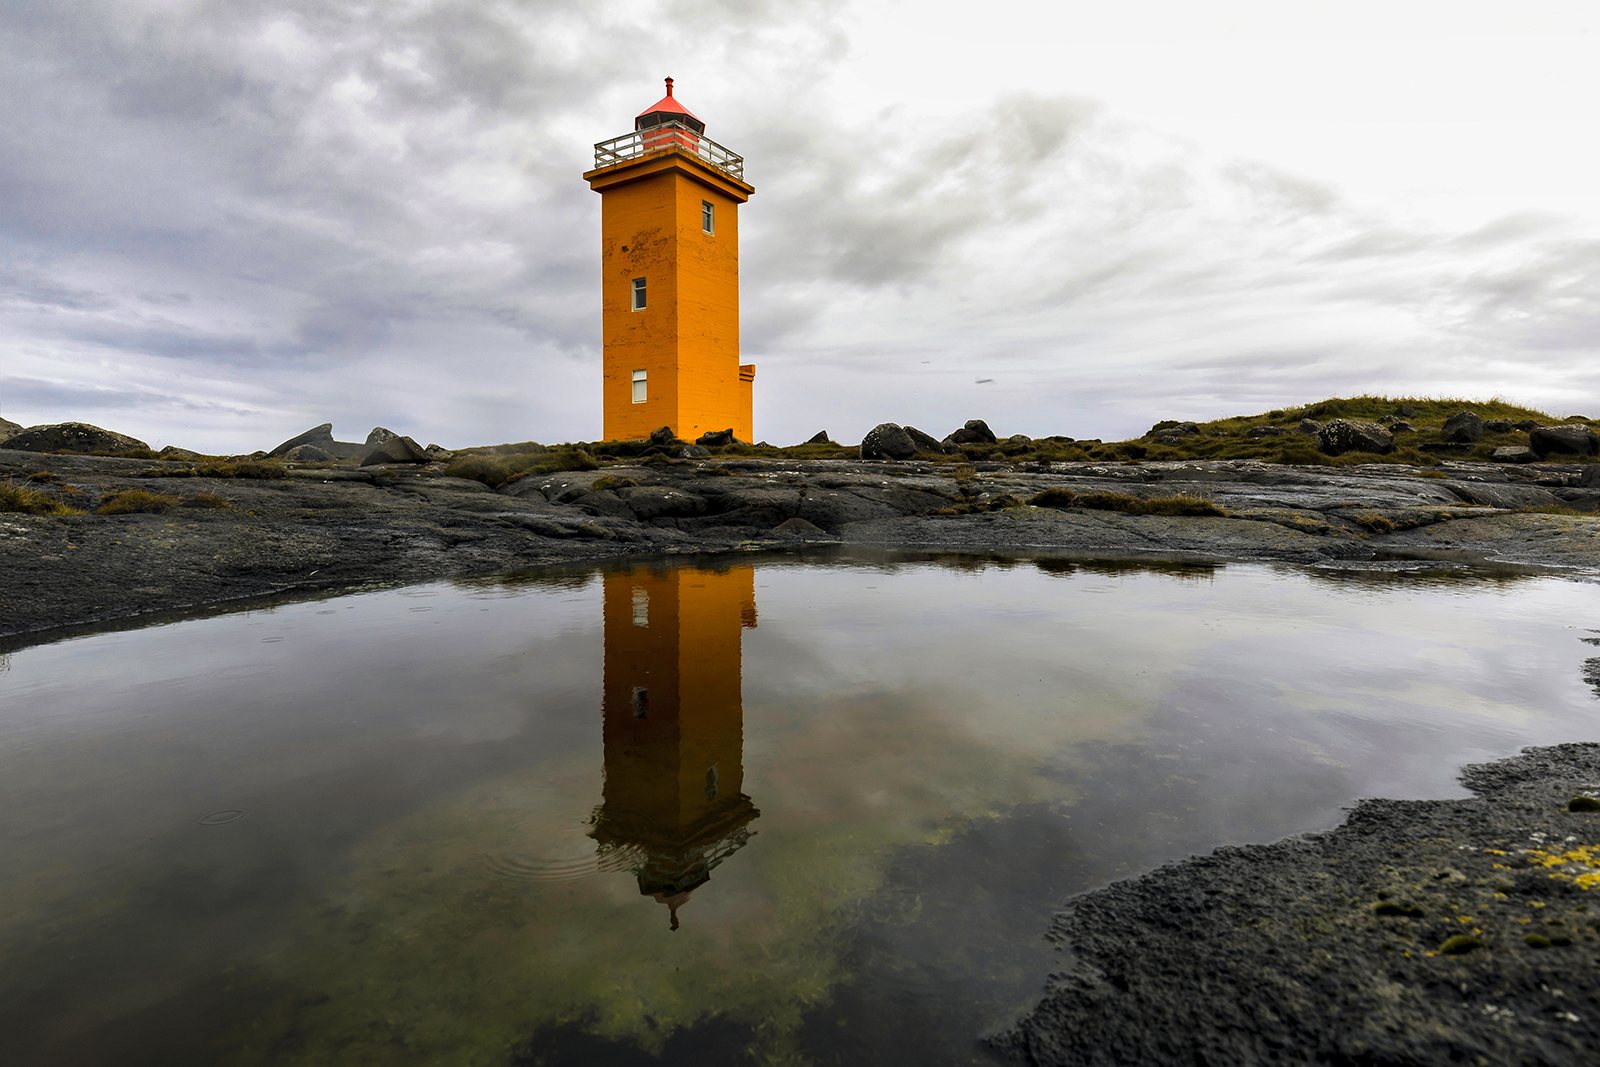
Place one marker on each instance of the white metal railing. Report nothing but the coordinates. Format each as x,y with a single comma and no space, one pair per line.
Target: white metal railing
672,134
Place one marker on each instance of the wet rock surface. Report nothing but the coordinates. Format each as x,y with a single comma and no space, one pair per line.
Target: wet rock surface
330,526
1418,933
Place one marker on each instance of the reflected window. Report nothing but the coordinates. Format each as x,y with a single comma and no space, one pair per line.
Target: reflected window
711,783
641,608
641,702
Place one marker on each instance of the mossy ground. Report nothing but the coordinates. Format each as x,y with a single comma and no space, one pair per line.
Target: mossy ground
1227,438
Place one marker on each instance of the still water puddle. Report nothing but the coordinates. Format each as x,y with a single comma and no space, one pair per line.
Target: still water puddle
771,811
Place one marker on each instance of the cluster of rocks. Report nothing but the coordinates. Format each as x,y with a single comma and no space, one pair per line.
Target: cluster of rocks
382,446
1460,432
889,440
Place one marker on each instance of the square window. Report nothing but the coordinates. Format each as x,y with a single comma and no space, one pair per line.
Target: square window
638,294
708,217
641,390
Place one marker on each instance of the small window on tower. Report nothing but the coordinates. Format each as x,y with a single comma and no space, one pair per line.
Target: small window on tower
708,217
641,391
638,294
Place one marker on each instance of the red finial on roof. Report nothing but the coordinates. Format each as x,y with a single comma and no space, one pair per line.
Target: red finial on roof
667,109
669,86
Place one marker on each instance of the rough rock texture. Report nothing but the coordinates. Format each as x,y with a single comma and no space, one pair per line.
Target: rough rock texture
1308,427
1514,454
8,429
1463,426
662,436
887,440
819,438
380,435
694,452
1339,436
308,454
74,437
174,452
310,530
321,437
974,431
716,438
926,442
1417,933
396,450
1560,440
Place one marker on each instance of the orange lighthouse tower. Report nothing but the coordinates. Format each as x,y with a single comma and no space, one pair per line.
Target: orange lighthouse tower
669,253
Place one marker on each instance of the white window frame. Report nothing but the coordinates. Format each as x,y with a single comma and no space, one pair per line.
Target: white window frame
708,217
639,294
641,387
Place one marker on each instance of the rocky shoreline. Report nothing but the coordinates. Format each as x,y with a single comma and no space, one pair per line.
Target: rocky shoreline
1418,933
226,534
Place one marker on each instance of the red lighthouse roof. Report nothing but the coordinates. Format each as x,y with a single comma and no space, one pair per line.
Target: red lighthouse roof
667,109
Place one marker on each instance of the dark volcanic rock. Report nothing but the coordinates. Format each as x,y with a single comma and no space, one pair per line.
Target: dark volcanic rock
322,437
397,450
379,435
308,454
887,440
654,501
662,436
1497,426
694,452
1464,426
1353,435
1558,440
819,438
1308,426
1503,496
1173,428
926,442
715,438
1418,933
74,437
973,432
174,452
1514,454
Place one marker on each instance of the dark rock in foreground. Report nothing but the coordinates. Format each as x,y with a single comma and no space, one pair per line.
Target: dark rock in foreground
1563,440
1418,933
1339,436
73,437
888,440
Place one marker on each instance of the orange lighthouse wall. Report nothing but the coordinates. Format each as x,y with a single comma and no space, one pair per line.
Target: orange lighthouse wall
686,338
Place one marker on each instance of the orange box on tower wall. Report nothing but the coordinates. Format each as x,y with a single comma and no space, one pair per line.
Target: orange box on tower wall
669,222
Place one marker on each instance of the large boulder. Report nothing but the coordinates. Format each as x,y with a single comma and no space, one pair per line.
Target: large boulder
819,438
694,452
308,454
1590,478
1308,427
380,435
926,442
662,436
400,450
1514,454
974,432
73,437
1339,436
9,429
1173,428
716,438
1463,427
888,440
1545,440
322,437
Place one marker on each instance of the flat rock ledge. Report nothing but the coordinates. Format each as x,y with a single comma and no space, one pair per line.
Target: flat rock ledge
1417,933
326,527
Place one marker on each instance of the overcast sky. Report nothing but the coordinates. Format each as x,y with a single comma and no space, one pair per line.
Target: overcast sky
224,221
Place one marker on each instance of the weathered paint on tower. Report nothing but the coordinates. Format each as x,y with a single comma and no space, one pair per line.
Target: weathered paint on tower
669,221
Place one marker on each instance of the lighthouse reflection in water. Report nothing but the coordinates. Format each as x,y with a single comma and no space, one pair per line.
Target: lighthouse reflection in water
674,804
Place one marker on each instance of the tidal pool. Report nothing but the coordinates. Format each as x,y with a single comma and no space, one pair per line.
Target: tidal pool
765,810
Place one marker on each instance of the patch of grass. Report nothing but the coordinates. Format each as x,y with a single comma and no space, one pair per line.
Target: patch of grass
1431,474
208,500
495,469
1374,522
136,501
1553,509
1060,497
1395,909
1459,945
1582,803
24,500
